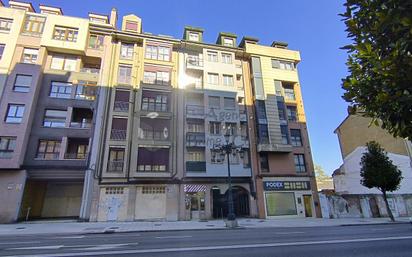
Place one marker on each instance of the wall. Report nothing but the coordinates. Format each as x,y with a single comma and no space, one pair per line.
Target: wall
11,192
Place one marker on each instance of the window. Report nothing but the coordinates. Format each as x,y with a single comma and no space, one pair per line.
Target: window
261,111
281,111
161,53
61,90
153,190
214,102
15,113
155,102
229,103
30,55
65,33
263,134
54,118
22,83
213,78
63,63
300,163
278,87
284,132
197,127
195,156
119,129
125,73
244,155
96,41
280,203
214,128
231,128
116,159
86,90
5,24
121,100
34,24
295,137
284,65
2,46
48,150
153,159
130,25
216,157
289,92
126,51
227,41
292,113
7,146
211,56
193,36
264,162
159,77
226,58
227,80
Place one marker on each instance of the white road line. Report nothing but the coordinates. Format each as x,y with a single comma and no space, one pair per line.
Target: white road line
14,243
70,237
380,229
171,237
46,247
220,247
289,233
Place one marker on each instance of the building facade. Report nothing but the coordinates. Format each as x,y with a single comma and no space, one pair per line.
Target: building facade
105,122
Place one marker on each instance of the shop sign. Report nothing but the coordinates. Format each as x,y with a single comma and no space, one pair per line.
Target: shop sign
285,185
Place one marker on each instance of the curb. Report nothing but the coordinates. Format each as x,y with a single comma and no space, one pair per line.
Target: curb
380,224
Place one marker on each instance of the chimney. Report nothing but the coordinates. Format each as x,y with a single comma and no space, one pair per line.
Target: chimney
278,44
113,17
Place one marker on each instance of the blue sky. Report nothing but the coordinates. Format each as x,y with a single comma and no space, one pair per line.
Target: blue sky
312,27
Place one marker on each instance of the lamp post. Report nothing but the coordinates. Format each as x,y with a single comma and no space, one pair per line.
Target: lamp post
227,149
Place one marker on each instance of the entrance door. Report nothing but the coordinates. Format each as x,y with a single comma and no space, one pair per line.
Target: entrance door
196,205
374,207
113,208
307,200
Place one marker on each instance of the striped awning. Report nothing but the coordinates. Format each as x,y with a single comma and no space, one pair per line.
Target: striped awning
194,188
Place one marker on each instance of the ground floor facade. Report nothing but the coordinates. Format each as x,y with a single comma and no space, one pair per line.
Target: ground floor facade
172,201
287,197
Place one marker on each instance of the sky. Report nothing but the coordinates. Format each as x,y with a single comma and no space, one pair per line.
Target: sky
312,27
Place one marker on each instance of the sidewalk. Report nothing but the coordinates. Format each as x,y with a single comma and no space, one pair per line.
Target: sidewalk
73,227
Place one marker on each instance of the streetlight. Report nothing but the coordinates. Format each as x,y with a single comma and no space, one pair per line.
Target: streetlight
227,149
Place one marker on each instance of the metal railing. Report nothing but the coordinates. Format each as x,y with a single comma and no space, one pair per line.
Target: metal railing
194,61
153,134
75,124
120,106
118,134
75,156
195,110
195,139
115,166
195,166
90,70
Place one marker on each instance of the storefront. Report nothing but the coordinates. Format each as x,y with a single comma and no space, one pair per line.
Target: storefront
288,198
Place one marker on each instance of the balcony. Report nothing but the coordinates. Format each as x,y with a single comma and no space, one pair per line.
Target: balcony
81,118
194,62
195,166
156,135
90,70
115,166
86,90
120,106
118,134
77,149
195,139
195,111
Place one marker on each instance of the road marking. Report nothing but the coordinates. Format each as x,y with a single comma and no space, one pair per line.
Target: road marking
289,233
380,229
219,247
27,242
46,247
106,247
70,237
171,237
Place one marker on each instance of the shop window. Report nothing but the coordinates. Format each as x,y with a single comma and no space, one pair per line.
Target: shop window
280,203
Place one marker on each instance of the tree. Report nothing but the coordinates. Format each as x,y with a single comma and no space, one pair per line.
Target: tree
379,83
378,171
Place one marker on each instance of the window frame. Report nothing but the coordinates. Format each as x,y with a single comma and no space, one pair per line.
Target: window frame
296,137
300,163
214,75
58,93
30,24
10,146
227,58
21,88
128,74
7,22
212,56
50,120
227,80
126,51
55,144
17,116
62,33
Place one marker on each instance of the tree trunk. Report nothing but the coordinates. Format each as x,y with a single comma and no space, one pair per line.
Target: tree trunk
387,206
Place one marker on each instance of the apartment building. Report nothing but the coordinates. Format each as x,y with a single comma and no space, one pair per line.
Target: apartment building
49,108
283,165
108,123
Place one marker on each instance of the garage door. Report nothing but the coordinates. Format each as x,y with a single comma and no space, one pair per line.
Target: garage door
150,203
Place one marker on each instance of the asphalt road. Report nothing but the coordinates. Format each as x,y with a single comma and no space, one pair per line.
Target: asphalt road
371,240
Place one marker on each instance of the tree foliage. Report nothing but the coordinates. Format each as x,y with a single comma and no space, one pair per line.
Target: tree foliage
378,171
379,83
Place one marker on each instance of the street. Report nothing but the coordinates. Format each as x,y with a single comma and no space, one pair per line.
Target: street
370,240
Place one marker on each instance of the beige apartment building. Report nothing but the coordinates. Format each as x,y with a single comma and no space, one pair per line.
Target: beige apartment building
105,122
